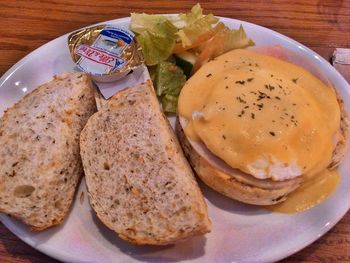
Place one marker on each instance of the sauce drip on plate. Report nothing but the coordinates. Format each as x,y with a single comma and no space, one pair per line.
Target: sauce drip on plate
313,191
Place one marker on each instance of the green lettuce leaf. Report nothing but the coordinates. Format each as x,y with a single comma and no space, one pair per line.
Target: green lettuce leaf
143,22
197,24
170,79
157,42
195,14
237,39
168,84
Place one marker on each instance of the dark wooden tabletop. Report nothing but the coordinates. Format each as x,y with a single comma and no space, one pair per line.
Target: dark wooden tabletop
319,24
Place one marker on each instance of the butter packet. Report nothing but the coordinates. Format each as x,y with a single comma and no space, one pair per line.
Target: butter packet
106,52
111,56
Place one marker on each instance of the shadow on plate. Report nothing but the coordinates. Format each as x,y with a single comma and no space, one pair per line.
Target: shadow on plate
189,249
222,202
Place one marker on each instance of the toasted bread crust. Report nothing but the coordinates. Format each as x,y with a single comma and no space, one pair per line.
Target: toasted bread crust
341,147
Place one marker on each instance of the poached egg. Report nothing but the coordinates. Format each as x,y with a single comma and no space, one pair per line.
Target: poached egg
262,115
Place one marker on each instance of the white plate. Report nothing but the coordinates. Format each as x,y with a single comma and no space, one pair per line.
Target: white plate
241,233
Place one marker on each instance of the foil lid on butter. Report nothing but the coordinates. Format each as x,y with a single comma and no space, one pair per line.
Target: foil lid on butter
105,52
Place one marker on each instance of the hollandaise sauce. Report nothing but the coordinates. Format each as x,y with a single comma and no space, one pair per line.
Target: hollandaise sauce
314,191
268,118
261,115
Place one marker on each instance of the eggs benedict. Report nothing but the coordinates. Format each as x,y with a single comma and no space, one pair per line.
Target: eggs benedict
255,127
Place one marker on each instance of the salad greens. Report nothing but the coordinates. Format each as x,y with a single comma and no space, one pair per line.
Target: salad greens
187,36
168,83
143,22
196,25
157,37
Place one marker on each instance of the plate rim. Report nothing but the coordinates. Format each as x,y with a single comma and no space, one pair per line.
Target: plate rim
8,221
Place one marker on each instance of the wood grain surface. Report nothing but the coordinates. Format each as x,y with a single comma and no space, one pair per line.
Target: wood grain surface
321,25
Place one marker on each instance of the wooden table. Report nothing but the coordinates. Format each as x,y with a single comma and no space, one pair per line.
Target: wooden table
321,25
